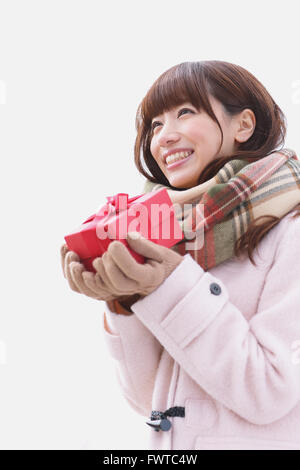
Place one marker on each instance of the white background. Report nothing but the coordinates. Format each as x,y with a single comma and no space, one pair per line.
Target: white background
72,74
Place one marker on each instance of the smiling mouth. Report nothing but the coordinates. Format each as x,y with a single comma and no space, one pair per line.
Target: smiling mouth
179,162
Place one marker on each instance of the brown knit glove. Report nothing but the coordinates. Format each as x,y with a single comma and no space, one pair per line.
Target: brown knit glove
123,275
119,275
74,271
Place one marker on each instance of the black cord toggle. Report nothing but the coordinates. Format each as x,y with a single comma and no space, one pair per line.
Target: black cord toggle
159,420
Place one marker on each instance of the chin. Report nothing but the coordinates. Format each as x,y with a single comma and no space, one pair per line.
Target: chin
186,179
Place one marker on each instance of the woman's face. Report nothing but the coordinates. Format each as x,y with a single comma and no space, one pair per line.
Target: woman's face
186,128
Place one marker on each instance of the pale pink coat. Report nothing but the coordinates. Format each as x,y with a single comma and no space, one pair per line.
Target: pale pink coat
232,360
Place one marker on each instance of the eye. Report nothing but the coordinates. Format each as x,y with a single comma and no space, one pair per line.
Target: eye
185,109
155,123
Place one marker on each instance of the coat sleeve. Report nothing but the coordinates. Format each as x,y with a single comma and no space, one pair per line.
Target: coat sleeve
251,367
137,355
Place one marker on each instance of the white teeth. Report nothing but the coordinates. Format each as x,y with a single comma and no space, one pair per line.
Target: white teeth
177,156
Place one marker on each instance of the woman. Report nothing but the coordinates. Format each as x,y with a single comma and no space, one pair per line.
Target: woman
207,339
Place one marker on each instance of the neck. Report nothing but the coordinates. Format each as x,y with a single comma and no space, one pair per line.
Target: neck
191,194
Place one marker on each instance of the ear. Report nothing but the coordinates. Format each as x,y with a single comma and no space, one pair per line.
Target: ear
246,123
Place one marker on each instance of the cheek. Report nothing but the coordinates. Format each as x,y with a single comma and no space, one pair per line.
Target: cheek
205,133
197,130
154,149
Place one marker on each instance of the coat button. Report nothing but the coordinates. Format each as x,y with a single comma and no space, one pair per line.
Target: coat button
215,288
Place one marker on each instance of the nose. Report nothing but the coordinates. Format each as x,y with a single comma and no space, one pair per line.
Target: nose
167,135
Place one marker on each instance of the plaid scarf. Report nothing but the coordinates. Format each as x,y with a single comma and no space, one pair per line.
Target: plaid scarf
241,192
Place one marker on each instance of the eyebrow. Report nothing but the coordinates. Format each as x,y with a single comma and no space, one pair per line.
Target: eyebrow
177,106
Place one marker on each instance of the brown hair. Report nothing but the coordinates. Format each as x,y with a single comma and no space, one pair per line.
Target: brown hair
236,89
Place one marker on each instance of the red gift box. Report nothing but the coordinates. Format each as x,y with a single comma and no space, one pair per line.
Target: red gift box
156,221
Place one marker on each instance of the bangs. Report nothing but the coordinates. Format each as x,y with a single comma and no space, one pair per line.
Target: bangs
174,87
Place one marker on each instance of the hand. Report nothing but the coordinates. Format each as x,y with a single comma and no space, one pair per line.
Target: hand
79,279
123,275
